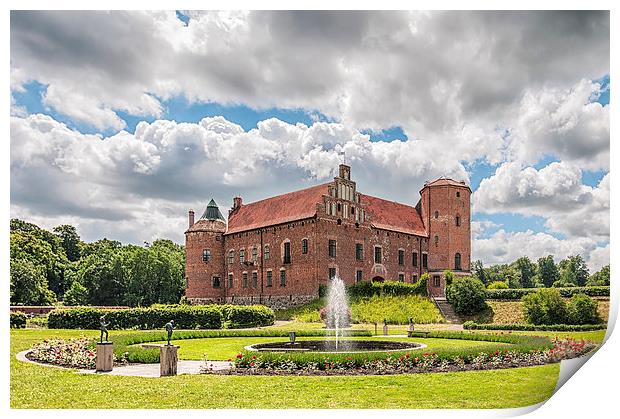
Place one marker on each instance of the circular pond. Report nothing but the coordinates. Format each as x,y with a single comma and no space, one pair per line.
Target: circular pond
331,346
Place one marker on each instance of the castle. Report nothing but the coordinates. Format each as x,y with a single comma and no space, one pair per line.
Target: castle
278,251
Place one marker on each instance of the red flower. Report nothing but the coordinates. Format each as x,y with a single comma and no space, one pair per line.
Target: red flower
424,354
251,364
253,356
407,355
239,356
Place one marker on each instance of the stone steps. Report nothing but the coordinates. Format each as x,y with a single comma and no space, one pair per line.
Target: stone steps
445,308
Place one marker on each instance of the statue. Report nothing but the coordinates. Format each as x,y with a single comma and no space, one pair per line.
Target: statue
169,328
103,327
411,327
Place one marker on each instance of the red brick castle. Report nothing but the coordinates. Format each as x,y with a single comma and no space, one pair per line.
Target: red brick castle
277,251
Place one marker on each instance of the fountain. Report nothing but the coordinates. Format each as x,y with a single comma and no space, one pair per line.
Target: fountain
338,313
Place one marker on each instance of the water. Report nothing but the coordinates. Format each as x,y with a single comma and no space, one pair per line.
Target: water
338,311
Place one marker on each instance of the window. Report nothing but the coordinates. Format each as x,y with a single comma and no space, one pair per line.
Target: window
304,246
414,258
436,281
414,278
458,221
230,280
332,273
206,255
245,280
242,256
377,254
254,254
436,240
332,248
216,282
287,252
266,253
458,194
436,214
231,257
283,278
424,260
401,257
359,251
358,276
338,206
269,278
401,277
457,261
254,279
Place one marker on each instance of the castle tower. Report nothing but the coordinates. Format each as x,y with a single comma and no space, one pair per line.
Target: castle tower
445,211
204,256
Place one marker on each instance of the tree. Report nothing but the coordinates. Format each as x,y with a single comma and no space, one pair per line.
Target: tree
600,278
76,295
70,241
545,306
103,276
548,271
28,284
574,269
467,295
525,270
479,272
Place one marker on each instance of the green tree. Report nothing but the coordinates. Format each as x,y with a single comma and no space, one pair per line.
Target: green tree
28,284
600,278
583,310
103,276
548,271
574,269
545,306
525,270
479,272
76,295
467,295
70,241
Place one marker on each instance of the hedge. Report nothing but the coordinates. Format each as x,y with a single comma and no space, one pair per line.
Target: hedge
518,293
18,320
185,317
368,289
470,325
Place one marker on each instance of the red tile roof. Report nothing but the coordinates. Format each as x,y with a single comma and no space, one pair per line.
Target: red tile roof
277,210
394,216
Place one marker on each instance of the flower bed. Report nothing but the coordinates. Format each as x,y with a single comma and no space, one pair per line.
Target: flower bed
75,353
246,364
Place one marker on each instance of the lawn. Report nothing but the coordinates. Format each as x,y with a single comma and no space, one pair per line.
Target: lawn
34,386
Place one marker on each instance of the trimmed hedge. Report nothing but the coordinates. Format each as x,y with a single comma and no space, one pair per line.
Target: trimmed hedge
211,316
368,288
518,293
470,325
18,320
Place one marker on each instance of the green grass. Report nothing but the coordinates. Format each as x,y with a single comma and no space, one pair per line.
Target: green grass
395,309
34,386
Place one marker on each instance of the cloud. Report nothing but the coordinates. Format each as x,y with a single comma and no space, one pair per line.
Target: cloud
555,192
451,78
505,247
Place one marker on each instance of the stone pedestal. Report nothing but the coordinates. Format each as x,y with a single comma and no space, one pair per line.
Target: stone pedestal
105,357
168,358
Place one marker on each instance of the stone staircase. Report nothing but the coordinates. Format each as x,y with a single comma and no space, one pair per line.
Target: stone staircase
446,310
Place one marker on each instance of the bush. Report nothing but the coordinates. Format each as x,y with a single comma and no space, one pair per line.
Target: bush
518,293
18,320
235,316
467,295
368,289
497,285
545,306
470,325
583,310
396,310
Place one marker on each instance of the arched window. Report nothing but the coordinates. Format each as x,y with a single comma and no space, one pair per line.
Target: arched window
254,254
457,261
286,252
436,240
266,257
206,255
436,214
304,246
457,220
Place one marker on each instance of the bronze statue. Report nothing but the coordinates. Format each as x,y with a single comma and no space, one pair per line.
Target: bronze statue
169,328
103,328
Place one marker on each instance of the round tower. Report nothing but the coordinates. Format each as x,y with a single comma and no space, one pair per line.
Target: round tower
204,256
445,211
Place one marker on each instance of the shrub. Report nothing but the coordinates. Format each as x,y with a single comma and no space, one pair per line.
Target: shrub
562,283
545,306
18,320
396,310
518,293
247,316
583,310
497,285
467,295
368,289
470,325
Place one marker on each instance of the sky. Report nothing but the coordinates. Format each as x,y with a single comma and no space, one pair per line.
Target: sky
123,121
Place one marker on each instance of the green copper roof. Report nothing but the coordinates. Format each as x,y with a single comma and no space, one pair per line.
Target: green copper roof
212,212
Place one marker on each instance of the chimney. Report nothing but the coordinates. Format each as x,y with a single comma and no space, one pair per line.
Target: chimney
236,202
191,218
